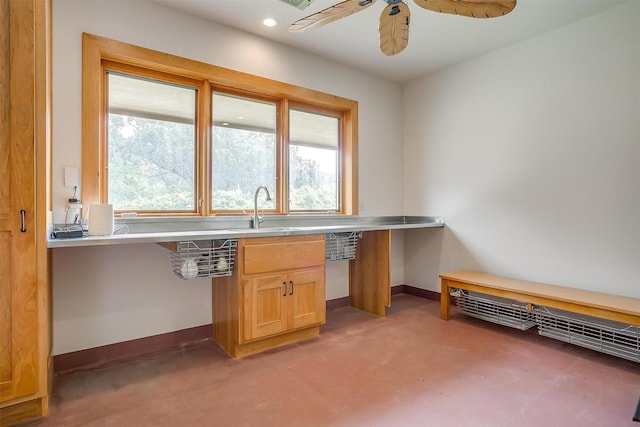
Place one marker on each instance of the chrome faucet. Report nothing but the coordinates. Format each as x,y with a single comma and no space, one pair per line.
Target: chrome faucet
257,219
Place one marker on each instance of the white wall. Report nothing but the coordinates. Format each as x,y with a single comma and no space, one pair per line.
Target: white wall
532,154
104,295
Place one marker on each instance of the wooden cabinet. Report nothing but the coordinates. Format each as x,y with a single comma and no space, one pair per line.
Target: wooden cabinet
281,303
276,295
24,140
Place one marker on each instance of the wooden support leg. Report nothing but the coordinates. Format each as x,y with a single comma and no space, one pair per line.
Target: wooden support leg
369,273
445,303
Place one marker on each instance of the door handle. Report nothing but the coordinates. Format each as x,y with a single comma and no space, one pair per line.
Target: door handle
22,213
284,292
291,283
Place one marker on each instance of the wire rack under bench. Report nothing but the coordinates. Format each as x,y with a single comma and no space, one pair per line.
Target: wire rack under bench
606,336
494,309
210,258
341,246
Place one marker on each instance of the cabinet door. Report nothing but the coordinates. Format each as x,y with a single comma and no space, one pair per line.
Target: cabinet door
306,298
281,303
265,311
18,296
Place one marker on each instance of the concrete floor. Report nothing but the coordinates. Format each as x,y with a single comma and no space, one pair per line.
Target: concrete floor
408,369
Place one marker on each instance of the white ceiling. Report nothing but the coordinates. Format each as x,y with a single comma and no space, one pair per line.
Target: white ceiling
435,41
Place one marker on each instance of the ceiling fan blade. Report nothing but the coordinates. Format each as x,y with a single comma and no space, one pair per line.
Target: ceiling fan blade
330,14
471,8
394,28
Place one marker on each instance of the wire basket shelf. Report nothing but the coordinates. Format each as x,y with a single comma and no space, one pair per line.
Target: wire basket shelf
494,309
341,246
214,258
607,336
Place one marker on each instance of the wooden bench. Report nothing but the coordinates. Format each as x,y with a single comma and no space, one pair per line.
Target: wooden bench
606,306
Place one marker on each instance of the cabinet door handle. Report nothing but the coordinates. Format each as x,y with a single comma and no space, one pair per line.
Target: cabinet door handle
284,292
291,283
22,213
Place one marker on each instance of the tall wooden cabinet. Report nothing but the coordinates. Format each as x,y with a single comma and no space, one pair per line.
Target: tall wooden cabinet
275,296
24,169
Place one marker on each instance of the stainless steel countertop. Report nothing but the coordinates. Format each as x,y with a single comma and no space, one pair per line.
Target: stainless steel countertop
156,230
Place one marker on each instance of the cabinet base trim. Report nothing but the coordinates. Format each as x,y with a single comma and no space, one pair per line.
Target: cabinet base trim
265,344
19,412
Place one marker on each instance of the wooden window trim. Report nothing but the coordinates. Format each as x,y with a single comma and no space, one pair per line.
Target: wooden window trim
95,49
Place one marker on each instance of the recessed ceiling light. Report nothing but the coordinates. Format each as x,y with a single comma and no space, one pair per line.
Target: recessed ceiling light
269,22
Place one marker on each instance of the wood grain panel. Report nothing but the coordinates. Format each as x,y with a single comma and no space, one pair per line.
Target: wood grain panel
42,197
225,307
370,273
277,254
306,298
5,198
5,105
264,307
21,274
20,412
6,346
25,97
268,343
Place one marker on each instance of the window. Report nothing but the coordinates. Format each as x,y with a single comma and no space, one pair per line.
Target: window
243,150
164,135
151,145
314,147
